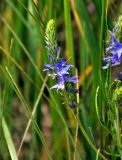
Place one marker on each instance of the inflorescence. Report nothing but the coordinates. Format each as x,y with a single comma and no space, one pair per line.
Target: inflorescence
113,88
58,68
114,50
114,58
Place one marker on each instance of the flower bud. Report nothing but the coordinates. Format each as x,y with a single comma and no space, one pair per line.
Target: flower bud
50,36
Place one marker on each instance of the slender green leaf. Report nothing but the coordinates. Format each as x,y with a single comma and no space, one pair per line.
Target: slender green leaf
69,34
9,140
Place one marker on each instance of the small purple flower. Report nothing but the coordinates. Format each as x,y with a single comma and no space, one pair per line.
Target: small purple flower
60,84
72,79
62,67
114,52
48,67
60,70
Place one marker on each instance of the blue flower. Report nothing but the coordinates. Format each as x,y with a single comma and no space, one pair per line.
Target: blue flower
60,85
58,68
48,67
72,79
62,67
114,52
60,71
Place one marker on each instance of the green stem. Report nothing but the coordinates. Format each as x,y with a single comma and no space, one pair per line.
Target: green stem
69,34
88,139
32,115
118,131
68,144
102,37
77,126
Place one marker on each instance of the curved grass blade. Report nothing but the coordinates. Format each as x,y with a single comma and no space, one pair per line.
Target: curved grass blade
22,45
97,156
9,140
17,65
33,113
103,24
88,139
28,113
97,111
85,29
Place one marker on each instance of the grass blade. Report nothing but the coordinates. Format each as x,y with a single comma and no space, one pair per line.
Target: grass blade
84,26
69,34
28,113
33,113
9,140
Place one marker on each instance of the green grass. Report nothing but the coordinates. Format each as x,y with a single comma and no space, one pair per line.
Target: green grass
35,124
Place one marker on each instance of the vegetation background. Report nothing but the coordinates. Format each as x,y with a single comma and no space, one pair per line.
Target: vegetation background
34,124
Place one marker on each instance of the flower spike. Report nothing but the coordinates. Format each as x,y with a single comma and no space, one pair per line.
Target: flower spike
58,68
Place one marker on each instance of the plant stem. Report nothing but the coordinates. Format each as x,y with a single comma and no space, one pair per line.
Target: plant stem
118,131
77,112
